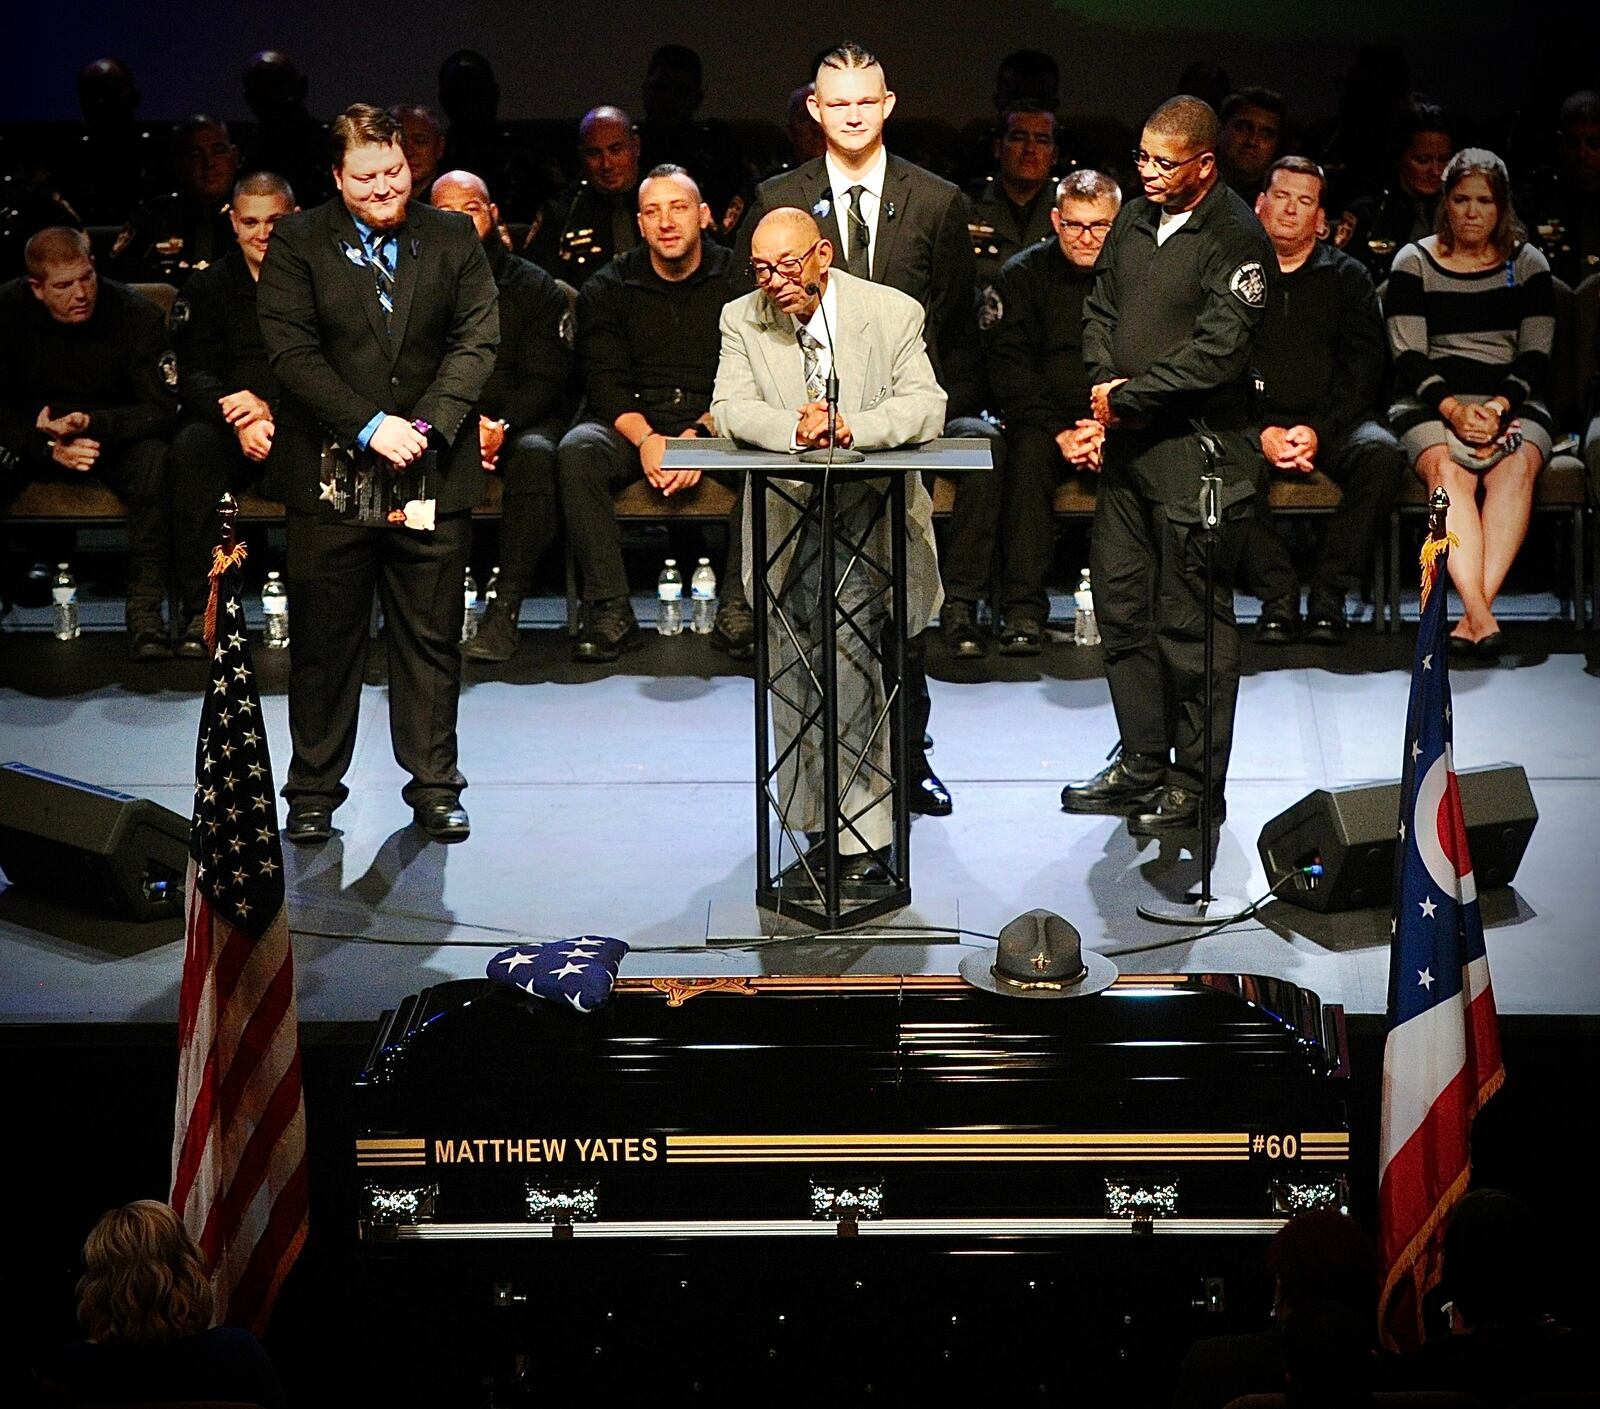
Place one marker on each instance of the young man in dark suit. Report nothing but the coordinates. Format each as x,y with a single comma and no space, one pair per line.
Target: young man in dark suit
381,323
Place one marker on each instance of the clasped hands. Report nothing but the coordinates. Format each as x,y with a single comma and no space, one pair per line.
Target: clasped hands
811,432
1476,423
69,447
1082,445
1292,448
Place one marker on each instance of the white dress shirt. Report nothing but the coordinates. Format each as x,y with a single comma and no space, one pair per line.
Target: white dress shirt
871,182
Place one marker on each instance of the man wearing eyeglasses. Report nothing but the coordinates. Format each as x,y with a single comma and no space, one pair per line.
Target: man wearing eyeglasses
1169,325
1010,211
1034,348
778,347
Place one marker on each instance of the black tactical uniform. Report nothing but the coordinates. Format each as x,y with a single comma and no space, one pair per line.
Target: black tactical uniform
1178,320
167,239
1564,222
1033,341
582,228
1386,221
706,148
1000,228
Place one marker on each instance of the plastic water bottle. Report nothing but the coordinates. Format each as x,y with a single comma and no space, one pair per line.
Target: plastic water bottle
64,604
669,600
275,611
491,590
469,617
1085,630
703,599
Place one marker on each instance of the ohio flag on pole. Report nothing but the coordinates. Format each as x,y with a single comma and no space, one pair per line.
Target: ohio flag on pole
1441,1060
239,1139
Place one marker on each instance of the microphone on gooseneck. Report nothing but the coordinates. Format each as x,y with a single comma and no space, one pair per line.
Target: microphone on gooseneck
833,363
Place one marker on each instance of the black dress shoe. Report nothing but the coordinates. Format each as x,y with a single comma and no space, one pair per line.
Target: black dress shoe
930,797
735,629
1279,624
443,821
496,641
1129,783
1176,809
958,624
610,630
309,824
1326,624
1021,636
1488,647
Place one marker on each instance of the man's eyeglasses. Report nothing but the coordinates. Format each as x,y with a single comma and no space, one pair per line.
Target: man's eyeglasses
789,268
1165,165
1077,229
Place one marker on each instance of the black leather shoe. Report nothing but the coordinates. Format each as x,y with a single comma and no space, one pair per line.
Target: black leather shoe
735,629
1021,636
1176,809
444,820
1326,624
1279,624
146,643
610,630
1489,647
192,644
930,797
496,641
1129,783
958,624
309,824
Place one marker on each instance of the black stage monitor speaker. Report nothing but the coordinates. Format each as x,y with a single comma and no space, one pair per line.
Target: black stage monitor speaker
89,847
1351,831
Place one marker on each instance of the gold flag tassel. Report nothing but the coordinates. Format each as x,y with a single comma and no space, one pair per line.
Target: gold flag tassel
230,553
1437,545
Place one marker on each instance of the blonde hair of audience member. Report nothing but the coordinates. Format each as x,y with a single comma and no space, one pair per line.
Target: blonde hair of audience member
143,1278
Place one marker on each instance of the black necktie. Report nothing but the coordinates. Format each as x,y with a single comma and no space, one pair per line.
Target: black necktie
859,259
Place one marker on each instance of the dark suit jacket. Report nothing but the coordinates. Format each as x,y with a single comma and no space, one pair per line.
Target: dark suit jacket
923,249
339,366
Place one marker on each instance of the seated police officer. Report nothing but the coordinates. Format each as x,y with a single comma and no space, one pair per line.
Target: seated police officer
1034,344
228,394
1252,136
422,140
586,224
522,411
1010,210
648,344
674,133
88,387
172,236
1321,352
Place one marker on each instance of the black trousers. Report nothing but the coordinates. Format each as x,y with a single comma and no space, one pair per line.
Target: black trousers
205,463
1367,465
1034,466
334,569
591,461
530,512
968,567
1150,601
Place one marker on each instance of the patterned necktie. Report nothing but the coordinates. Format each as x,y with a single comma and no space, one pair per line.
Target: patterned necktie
816,383
382,273
859,260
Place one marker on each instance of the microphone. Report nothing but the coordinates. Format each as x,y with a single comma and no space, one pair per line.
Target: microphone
831,392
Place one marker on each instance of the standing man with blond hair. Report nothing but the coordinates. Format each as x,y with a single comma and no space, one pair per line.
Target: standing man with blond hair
381,324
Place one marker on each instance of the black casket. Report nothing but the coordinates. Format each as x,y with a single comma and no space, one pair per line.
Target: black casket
831,1188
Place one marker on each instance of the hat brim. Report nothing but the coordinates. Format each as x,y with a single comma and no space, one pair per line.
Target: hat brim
978,970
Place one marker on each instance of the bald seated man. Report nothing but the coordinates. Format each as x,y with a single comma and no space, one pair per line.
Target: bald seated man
587,224
522,411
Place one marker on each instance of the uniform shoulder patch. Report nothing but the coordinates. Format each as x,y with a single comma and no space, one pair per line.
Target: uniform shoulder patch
991,309
180,314
1249,284
169,370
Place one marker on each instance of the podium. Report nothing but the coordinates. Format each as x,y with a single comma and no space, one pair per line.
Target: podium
833,825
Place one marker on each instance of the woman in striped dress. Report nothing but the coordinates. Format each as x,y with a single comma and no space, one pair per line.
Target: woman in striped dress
1471,315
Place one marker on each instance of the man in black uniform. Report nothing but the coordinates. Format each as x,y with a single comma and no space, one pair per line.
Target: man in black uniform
584,226
286,139
228,394
896,224
1321,351
522,412
1377,223
88,387
1034,347
648,344
168,238
1178,293
478,141
1561,204
380,321
1011,210
113,161
672,133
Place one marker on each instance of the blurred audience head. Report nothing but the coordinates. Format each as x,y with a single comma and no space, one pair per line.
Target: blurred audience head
1252,133
1027,75
1422,147
1493,1261
143,1278
107,94
1323,1254
467,194
204,158
1207,81
422,140
468,92
1476,211
1327,1356
608,148
673,84
274,89
61,273
1025,146
1087,203
1578,139
802,130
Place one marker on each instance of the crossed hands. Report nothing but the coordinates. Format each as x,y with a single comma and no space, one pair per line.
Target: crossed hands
69,447
1082,445
1291,448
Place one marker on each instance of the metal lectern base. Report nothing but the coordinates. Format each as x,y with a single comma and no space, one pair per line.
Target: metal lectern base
1195,909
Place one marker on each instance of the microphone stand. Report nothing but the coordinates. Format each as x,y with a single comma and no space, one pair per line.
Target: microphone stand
1201,907
831,456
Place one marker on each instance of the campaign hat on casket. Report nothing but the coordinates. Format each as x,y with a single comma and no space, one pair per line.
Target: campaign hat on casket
1039,955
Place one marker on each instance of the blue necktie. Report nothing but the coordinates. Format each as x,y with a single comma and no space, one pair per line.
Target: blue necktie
382,273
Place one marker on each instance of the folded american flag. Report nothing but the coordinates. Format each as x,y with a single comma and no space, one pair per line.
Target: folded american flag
578,972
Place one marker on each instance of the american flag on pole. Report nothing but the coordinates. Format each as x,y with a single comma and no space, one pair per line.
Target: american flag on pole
239,1138
1441,1060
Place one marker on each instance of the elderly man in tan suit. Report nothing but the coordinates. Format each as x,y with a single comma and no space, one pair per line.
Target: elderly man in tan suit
777,353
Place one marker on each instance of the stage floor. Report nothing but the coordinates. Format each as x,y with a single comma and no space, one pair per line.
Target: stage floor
618,800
